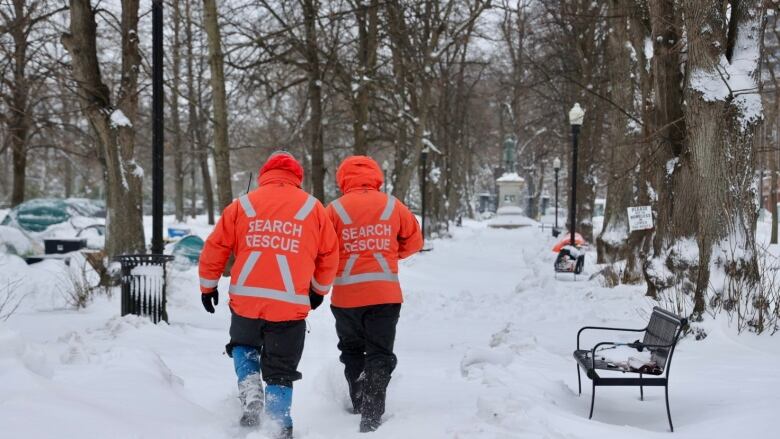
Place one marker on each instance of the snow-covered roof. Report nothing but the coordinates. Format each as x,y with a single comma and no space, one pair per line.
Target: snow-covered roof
510,176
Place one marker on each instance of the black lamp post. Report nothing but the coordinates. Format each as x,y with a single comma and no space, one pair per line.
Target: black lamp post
557,169
576,115
144,292
158,126
423,183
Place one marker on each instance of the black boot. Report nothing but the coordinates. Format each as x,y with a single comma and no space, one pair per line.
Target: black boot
286,433
356,391
368,425
374,395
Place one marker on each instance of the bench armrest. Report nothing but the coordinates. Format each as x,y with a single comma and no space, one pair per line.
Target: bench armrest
604,328
639,346
598,345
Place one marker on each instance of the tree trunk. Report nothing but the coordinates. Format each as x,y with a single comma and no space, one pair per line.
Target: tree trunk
19,120
412,66
216,64
368,39
313,70
773,198
193,123
419,93
203,153
406,172
113,126
721,131
588,148
612,241
68,183
19,149
178,153
673,179
5,170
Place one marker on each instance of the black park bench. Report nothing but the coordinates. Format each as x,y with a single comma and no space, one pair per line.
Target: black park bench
660,338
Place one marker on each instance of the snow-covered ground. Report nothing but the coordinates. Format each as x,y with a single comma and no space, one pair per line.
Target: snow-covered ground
484,347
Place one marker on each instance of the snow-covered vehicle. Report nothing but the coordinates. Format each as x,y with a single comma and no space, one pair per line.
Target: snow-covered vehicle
39,214
45,218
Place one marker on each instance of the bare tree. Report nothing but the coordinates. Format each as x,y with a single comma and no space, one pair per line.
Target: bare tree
357,70
629,135
178,147
419,33
111,120
22,21
195,128
219,100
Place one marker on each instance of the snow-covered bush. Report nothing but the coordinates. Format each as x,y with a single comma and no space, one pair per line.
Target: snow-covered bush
753,306
80,283
9,299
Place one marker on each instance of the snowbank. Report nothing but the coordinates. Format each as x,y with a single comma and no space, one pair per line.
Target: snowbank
15,242
484,346
510,217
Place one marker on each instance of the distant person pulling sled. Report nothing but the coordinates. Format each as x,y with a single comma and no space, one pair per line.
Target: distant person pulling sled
375,230
286,256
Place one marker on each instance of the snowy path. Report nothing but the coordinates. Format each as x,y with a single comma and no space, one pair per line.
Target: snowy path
484,348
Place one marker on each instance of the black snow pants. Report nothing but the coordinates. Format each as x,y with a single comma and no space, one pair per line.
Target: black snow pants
366,337
280,345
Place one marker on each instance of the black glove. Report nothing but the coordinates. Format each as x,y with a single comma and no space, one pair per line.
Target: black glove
315,298
208,298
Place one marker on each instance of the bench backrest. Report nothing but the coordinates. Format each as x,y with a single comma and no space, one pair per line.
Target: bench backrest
663,329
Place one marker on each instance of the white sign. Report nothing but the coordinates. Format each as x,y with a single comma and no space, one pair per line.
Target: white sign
640,218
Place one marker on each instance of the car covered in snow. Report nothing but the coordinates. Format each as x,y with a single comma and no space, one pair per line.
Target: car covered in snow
40,219
39,214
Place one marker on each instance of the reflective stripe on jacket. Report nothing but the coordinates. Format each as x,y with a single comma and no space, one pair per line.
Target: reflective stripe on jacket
283,242
375,230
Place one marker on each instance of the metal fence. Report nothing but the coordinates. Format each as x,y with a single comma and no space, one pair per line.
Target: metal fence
144,283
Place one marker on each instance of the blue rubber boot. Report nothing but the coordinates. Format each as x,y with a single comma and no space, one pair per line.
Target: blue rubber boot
246,361
278,401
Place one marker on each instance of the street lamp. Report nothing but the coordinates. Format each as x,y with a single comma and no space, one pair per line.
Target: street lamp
576,115
557,169
158,127
143,291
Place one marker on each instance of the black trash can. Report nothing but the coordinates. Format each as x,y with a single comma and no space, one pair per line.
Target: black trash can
144,285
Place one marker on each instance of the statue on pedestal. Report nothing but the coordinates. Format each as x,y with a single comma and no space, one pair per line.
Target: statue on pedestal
510,154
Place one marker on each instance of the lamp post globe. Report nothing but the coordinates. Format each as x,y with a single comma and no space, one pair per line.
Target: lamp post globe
576,115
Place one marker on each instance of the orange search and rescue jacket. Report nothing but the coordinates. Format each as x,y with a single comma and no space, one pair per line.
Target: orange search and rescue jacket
283,242
375,230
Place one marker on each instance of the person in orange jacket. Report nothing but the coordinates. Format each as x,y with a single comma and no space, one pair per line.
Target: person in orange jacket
286,257
375,230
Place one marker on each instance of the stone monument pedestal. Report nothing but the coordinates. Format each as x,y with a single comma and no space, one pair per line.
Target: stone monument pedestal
510,214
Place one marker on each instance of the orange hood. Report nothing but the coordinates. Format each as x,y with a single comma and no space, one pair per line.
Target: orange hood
359,172
282,167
